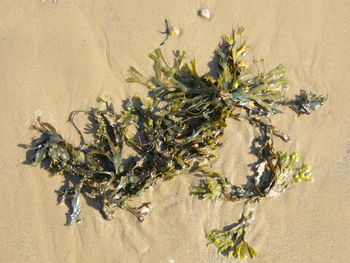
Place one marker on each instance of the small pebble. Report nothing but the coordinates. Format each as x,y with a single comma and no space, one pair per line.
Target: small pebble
37,113
174,31
204,12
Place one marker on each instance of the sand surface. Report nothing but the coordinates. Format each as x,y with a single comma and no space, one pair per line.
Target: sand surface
58,56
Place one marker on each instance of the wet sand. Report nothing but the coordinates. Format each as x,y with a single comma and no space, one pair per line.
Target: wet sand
58,57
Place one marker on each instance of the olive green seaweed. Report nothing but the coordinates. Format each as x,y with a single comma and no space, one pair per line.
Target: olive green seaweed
176,130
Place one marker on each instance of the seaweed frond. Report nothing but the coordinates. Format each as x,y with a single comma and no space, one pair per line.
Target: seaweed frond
233,242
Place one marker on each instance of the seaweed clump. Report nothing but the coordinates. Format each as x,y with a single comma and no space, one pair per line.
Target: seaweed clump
175,131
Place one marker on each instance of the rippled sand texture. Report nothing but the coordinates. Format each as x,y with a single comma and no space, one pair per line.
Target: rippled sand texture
58,56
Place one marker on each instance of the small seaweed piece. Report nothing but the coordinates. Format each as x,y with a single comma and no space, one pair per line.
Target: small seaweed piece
280,174
166,32
303,173
233,242
52,146
307,102
72,193
218,187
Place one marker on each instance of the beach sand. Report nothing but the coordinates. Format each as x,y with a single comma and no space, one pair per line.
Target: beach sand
58,56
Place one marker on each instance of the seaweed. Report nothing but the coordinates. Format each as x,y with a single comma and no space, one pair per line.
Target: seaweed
307,102
176,130
232,242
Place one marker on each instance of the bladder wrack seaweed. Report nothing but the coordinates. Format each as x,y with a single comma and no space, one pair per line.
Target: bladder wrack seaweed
178,130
